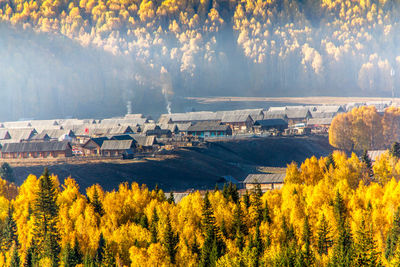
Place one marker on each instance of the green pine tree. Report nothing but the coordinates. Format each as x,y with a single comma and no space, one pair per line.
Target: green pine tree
393,236
30,257
15,261
246,199
365,247
343,250
9,234
67,256
395,150
368,163
330,162
108,257
7,173
266,213
258,245
72,255
171,198
153,227
45,233
307,254
98,258
213,246
96,203
171,241
257,204
324,240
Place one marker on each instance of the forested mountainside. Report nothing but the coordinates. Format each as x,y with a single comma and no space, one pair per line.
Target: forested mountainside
161,49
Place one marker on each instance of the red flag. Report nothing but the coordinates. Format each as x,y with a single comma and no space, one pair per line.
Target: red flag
86,130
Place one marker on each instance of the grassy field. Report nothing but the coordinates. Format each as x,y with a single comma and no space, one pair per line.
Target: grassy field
186,168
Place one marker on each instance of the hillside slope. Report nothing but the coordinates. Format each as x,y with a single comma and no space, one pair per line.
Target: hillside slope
198,168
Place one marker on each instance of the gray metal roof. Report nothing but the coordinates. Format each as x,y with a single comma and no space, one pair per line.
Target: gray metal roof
319,121
145,141
117,144
208,126
265,178
35,147
300,113
57,133
18,135
231,118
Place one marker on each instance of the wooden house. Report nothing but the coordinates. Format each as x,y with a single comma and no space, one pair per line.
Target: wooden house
159,133
92,147
297,115
145,143
270,124
267,181
238,122
117,148
209,129
54,149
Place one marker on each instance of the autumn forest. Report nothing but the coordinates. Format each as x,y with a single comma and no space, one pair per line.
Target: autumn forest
69,55
332,211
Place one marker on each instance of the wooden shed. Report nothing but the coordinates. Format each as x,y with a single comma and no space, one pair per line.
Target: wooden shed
115,148
267,181
36,150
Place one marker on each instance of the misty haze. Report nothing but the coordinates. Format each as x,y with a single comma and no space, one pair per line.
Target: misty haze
89,58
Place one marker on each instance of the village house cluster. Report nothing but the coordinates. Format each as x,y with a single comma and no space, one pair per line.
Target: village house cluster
133,134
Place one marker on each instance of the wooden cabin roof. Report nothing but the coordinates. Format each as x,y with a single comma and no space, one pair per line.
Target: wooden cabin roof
35,147
117,144
265,178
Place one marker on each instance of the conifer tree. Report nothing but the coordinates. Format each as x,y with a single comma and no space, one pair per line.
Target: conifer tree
343,250
153,227
171,198
224,231
395,150
10,236
45,233
256,203
76,252
96,203
29,257
258,245
15,261
213,246
246,199
171,241
368,163
216,189
72,255
266,213
195,248
393,236
365,248
324,240
144,222
330,162
98,258
307,253
68,257
7,173
108,257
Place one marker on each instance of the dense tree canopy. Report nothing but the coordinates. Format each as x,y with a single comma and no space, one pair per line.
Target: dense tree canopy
364,128
321,216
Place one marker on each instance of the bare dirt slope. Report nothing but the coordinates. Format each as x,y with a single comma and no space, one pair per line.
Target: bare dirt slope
198,168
